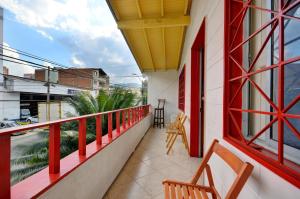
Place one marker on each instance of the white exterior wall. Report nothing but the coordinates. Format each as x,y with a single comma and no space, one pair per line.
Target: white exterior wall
263,183
164,85
32,86
9,105
93,178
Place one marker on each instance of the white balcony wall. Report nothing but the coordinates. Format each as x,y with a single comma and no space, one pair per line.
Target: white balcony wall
164,85
263,183
9,105
93,178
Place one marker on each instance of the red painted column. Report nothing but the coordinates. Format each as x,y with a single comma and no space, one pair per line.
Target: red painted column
109,116
5,166
118,121
54,148
128,117
82,137
124,120
133,115
141,112
280,91
99,129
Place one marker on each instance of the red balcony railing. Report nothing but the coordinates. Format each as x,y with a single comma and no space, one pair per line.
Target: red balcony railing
58,168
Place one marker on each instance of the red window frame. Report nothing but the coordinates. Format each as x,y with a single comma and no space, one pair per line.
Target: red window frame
235,76
181,90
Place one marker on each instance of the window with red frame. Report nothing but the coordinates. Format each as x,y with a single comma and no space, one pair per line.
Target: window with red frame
262,82
181,89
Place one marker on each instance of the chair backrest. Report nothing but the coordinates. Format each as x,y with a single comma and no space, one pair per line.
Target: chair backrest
242,169
180,122
161,103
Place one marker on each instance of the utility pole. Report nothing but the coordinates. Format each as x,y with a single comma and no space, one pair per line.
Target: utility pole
48,95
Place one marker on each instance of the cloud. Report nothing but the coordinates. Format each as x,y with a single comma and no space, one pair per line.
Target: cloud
46,35
76,62
17,69
85,27
85,16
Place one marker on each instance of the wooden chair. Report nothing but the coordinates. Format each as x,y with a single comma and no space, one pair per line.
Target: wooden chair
172,134
174,125
191,190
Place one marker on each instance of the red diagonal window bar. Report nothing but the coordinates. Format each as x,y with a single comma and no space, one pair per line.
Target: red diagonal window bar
237,75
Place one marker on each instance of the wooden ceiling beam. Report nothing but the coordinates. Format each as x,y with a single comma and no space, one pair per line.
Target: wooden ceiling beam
162,9
164,48
137,2
160,22
162,13
186,6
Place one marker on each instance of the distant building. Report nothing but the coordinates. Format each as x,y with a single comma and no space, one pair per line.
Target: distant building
85,78
29,75
5,70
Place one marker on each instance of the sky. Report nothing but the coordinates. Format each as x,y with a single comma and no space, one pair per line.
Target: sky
74,33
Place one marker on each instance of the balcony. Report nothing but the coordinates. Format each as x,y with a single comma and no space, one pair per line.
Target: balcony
96,164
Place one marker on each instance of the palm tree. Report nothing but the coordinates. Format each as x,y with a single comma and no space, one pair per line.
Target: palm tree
35,156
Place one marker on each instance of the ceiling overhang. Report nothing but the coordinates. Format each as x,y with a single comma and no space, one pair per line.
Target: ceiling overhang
154,30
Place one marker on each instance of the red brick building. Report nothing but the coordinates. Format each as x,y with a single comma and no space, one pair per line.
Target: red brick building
85,78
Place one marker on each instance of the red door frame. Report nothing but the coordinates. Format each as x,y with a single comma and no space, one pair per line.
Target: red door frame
199,42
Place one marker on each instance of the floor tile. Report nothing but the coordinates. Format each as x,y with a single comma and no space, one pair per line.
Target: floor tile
149,165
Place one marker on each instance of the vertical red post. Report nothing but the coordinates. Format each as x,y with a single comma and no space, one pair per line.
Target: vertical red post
133,115
140,113
124,120
118,122
109,119
82,137
137,114
99,129
128,117
54,148
281,87
5,166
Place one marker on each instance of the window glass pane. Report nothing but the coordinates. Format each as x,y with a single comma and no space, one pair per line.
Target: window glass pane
291,37
291,92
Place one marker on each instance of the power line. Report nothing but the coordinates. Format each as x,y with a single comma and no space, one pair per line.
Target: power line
36,65
26,54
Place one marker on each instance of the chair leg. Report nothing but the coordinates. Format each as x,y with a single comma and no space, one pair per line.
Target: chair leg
172,143
170,140
163,118
168,135
185,141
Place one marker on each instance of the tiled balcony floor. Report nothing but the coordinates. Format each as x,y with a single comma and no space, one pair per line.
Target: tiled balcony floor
142,176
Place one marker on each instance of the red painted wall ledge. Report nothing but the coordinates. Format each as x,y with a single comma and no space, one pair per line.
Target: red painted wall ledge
39,183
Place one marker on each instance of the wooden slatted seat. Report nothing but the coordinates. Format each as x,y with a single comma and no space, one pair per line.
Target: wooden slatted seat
191,190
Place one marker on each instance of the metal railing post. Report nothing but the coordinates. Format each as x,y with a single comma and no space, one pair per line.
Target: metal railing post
109,118
5,166
99,129
54,148
82,137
